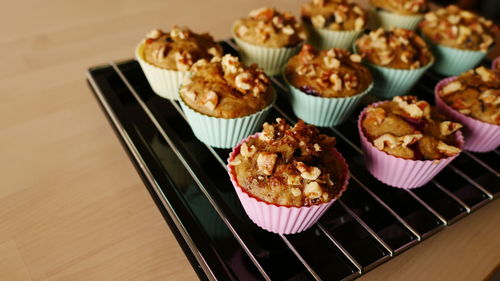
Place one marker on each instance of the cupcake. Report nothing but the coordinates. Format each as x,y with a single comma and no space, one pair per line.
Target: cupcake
333,23
268,38
496,63
165,57
287,177
325,86
225,101
473,99
400,13
406,142
459,39
397,58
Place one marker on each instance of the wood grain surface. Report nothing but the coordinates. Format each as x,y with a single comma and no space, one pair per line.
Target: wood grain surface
72,206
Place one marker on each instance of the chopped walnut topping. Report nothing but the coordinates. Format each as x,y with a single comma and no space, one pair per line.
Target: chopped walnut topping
294,180
267,133
188,93
178,33
242,81
210,100
296,191
375,115
313,190
490,97
391,141
448,150
331,62
336,82
485,74
230,64
317,147
246,151
184,60
309,173
451,88
447,127
413,109
266,162
355,58
235,162
154,34
288,30
318,21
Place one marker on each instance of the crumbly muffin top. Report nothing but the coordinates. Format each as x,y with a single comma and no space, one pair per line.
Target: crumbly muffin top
268,27
395,48
179,49
457,28
405,7
409,128
226,88
291,166
327,73
475,93
334,15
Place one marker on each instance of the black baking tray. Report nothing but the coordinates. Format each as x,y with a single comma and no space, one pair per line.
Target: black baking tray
370,224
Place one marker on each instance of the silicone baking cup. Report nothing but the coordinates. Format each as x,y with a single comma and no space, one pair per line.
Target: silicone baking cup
479,136
272,60
496,63
399,172
321,111
322,38
223,132
277,218
164,82
453,61
388,19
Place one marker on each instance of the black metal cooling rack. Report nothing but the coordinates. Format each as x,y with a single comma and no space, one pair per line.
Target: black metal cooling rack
370,224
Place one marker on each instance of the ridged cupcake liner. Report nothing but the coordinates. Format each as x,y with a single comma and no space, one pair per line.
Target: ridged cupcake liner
496,63
389,19
479,136
399,172
453,61
223,132
164,82
320,111
322,38
282,219
390,82
272,60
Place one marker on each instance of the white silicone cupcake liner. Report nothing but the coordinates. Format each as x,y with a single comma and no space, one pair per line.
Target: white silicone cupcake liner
322,38
389,19
320,111
223,132
453,61
164,82
399,172
479,136
272,60
282,219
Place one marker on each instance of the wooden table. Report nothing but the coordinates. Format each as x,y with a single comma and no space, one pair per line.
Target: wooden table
72,206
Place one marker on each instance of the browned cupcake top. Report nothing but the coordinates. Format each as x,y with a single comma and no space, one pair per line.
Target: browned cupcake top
396,48
178,49
327,73
409,128
291,166
405,7
226,88
475,93
334,15
457,28
268,27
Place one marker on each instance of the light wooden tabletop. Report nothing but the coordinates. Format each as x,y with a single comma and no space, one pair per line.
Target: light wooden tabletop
72,207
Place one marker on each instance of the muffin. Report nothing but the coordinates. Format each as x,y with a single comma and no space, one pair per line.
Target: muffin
269,38
400,13
225,100
406,142
397,58
473,99
333,23
287,177
165,57
460,39
325,86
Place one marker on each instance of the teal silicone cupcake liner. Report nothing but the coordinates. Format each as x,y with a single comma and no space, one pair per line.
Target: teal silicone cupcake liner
272,60
388,19
453,61
222,132
390,82
320,111
323,39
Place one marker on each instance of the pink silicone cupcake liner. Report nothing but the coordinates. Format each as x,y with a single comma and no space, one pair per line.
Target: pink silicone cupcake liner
276,218
399,172
479,136
496,63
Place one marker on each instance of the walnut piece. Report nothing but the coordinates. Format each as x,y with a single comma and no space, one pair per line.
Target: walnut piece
266,162
308,173
447,127
313,190
448,150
